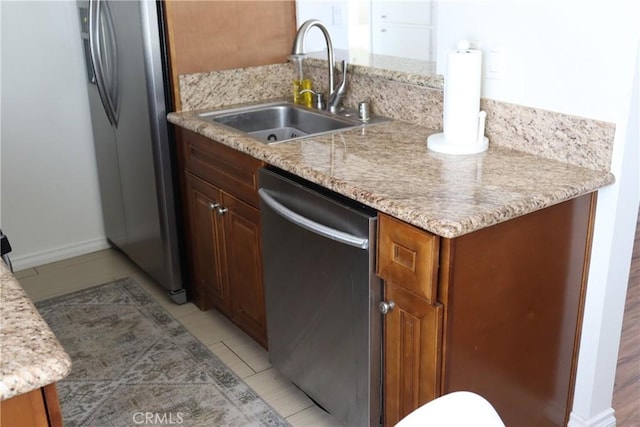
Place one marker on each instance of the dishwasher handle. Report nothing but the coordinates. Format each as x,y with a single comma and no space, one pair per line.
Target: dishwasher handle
317,228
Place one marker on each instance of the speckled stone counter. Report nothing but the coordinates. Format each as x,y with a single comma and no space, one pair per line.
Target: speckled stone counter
388,167
30,354
412,98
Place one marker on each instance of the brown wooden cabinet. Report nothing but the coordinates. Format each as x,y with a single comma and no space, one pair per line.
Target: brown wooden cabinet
408,262
223,231
497,312
37,408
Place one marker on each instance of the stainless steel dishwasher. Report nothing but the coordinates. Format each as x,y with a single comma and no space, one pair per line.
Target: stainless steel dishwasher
323,325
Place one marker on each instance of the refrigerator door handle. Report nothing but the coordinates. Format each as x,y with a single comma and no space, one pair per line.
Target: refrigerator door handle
114,91
97,59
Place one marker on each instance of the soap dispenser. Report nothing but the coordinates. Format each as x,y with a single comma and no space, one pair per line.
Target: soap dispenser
300,83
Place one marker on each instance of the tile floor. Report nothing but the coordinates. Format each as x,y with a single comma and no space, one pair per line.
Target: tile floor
246,358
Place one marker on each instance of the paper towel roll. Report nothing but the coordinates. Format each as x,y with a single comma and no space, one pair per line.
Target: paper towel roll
462,96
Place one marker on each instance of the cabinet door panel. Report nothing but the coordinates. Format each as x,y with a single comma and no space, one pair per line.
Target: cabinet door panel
408,256
413,341
244,261
209,285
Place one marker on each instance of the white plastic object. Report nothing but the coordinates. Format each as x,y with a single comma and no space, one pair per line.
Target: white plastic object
438,143
457,409
464,45
482,120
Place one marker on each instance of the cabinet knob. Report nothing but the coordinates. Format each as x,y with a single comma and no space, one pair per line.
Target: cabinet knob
213,205
386,307
221,211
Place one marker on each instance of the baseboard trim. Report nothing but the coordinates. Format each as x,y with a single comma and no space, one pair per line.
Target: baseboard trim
603,419
58,254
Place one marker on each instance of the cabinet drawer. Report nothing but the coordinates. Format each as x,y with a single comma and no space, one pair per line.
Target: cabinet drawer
408,256
225,167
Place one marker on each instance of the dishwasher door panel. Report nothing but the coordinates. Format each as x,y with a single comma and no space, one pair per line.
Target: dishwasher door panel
321,296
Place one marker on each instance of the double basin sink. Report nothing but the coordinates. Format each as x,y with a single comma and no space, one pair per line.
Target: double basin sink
284,121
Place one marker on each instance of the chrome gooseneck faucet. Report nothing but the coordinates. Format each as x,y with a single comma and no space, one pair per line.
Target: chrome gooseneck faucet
335,93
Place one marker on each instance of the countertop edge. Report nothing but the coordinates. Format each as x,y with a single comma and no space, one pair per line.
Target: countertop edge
32,356
444,227
448,228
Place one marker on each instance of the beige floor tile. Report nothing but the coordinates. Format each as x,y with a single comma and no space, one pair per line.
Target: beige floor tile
41,286
108,257
278,392
178,311
25,273
230,359
67,276
250,351
313,417
209,326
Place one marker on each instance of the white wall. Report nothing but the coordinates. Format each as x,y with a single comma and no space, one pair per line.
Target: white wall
565,55
575,57
334,14
49,191
0,116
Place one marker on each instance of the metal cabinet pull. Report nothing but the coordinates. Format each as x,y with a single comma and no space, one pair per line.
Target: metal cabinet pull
386,307
219,209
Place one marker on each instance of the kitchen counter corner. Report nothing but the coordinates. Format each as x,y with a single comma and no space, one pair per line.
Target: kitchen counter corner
31,356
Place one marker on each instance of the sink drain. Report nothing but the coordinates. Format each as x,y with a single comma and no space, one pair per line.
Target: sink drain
278,134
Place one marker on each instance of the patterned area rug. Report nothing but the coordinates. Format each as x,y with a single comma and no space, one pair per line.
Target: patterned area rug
134,364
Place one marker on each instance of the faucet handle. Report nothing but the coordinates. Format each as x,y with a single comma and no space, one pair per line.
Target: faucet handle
339,91
344,74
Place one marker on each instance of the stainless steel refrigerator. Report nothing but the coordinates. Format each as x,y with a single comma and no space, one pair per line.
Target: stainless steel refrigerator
126,74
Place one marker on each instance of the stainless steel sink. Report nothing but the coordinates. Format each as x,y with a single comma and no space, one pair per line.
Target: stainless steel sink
282,121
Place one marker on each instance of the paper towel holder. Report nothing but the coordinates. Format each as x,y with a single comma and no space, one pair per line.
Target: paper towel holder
439,143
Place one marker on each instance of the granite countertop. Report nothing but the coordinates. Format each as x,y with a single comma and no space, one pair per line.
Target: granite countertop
31,356
387,166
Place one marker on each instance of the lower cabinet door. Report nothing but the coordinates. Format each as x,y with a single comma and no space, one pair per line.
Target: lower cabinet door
225,256
244,267
209,287
413,349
